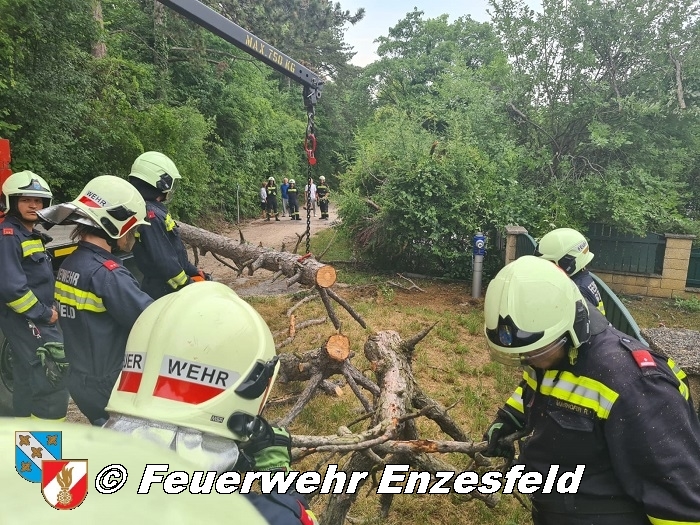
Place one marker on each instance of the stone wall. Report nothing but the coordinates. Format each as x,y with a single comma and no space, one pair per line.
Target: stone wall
671,283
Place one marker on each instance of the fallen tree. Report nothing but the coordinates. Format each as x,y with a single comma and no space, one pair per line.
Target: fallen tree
392,401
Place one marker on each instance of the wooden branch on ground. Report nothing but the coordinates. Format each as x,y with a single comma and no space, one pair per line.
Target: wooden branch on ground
342,302
413,286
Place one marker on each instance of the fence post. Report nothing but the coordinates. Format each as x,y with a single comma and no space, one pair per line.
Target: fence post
512,232
676,261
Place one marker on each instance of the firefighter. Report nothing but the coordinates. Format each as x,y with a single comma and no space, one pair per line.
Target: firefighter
198,369
568,249
109,456
272,199
159,252
293,196
99,299
591,396
322,192
28,317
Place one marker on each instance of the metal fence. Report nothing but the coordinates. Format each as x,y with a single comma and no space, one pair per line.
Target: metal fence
524,245
622,252
694,269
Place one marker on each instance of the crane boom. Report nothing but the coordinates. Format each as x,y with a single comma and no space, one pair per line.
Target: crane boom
221,26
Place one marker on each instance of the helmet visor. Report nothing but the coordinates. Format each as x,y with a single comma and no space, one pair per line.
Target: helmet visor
530,358
174,184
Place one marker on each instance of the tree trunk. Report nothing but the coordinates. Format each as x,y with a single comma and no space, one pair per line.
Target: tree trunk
99,48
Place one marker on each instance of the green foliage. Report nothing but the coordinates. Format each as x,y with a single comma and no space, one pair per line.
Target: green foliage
692,304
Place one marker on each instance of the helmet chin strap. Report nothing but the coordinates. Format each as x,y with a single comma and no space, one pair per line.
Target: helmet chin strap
207,451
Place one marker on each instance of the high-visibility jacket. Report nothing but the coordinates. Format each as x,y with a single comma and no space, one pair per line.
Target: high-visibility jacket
26,287
626,414
589,289
99,301
160,254
322,192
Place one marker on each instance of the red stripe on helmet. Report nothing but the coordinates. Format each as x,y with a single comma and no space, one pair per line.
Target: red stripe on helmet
127,225
89,202
130,381
185,391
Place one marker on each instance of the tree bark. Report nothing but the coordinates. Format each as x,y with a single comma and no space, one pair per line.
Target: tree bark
306,271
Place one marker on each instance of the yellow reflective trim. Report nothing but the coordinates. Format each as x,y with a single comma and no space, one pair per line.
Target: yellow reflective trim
516,400
530,378
179,280
682,387
60,252
24,303
80,299
579,390
32,246
659,521
601,307
169,223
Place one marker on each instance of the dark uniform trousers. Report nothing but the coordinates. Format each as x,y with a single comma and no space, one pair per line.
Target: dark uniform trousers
322,195
272,201
99,303
27,291
626,414
160,254
292,195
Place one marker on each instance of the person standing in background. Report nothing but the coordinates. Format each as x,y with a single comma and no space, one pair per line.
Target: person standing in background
293,200
285,198
272,199
263,199
310,196
322,192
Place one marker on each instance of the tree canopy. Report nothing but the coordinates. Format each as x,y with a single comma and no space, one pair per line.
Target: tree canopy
585,111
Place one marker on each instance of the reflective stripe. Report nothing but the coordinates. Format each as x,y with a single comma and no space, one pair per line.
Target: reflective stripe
516,400
24,303
682,387
579,390
179,280
169,223
78,298
32,246
601,307
529,377
659,521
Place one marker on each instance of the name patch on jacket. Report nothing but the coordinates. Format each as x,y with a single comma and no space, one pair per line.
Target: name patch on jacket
8,231
68,277
192,382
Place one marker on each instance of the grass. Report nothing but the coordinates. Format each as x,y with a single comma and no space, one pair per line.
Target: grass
451,365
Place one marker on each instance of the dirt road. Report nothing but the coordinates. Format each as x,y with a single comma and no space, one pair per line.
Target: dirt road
270,234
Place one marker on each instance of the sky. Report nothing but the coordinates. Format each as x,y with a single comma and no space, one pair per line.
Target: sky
380,15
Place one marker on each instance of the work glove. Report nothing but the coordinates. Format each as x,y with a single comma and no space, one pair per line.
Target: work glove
504,425
201,276
53,361
269,449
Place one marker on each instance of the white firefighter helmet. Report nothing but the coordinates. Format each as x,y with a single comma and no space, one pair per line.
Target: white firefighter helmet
271,179
107,457
292,181
156,169
567,248
201,358
106,202
322,178
26,184
530,306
